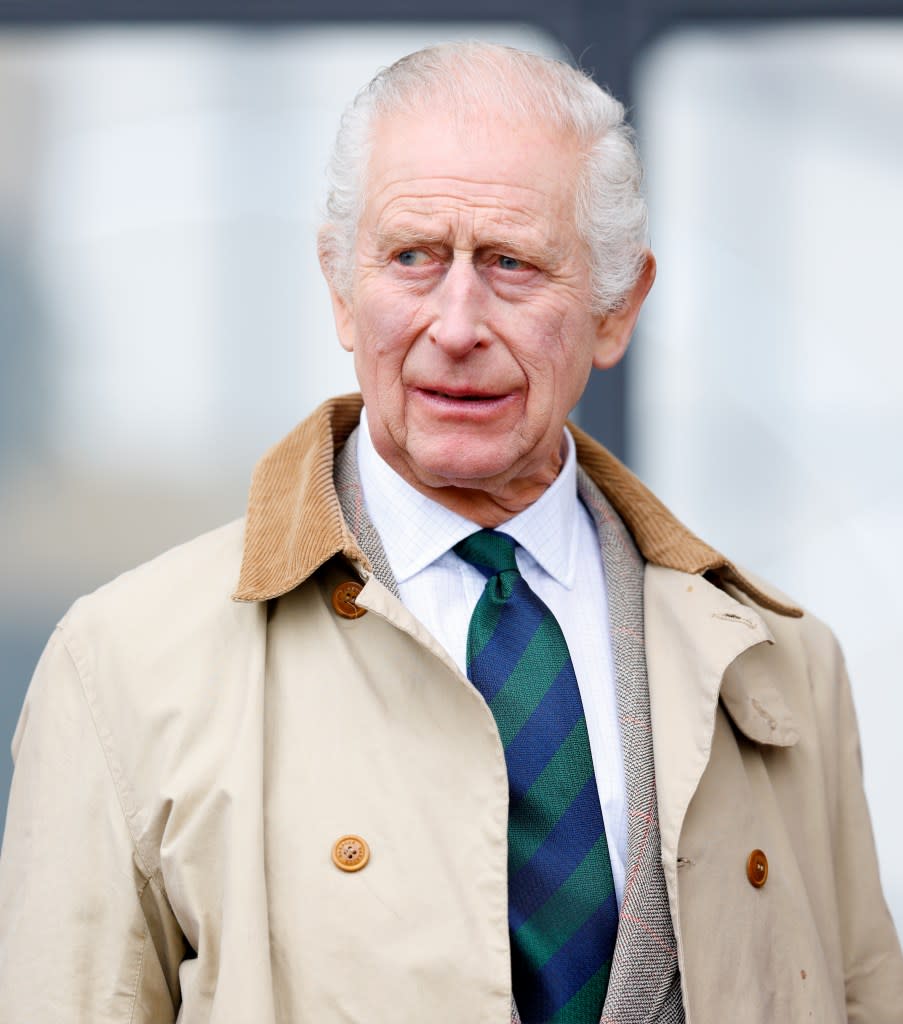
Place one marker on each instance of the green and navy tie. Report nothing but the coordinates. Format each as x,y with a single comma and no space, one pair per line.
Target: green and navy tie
562,910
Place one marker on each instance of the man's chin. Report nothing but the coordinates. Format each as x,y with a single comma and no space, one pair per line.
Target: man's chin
463,478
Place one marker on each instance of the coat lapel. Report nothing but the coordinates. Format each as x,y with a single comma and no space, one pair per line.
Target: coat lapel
694,631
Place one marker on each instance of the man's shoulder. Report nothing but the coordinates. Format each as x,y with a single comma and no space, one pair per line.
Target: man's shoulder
804,623
803,635
155,651
169,596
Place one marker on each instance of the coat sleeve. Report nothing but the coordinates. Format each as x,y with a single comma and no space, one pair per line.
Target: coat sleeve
86,934
873,965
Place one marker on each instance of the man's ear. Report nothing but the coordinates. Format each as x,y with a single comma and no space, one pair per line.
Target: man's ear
615,329
341,306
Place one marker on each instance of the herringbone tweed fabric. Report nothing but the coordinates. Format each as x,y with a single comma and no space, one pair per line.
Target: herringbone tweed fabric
351,500
645,982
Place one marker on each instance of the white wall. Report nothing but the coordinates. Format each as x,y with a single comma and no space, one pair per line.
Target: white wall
767,379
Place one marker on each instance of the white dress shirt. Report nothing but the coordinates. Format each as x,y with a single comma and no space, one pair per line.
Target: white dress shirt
559,557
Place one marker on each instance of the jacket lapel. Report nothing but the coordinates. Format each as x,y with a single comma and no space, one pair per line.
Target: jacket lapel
644,985
351,501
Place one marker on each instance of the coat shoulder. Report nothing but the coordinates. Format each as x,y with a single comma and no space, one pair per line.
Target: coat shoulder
807,629
190,581
169,624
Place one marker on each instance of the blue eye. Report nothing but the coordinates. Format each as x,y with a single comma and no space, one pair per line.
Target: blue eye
509,263
411,257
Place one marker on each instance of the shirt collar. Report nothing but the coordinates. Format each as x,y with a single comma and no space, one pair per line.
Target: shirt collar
294,522
415,530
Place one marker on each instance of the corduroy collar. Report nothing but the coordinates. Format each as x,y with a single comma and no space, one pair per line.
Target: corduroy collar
294,523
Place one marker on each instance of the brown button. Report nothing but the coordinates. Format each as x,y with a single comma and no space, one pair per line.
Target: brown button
343,600
757,868
350,853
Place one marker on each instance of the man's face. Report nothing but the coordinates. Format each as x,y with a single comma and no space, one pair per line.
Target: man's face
469,316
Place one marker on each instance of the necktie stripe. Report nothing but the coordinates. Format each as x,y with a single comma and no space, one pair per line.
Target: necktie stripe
554,991
566,845
480,634
548,798
496,654
524,688
566,910
582,1004
547,728
562,909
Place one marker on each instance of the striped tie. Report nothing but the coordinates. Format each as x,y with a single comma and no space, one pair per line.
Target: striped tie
562,910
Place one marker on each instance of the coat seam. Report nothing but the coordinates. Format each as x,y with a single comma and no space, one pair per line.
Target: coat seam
140,968
108,754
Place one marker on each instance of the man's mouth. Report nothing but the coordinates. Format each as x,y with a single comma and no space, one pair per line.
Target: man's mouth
462,396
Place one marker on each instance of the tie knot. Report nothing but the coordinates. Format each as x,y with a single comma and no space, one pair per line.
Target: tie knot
489,551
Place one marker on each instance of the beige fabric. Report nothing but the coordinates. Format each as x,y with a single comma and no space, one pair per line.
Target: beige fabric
644,986
185,763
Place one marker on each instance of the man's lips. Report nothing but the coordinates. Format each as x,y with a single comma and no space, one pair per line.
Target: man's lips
462,394
463,406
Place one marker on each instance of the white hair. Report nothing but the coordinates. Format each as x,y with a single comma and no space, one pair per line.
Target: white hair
466,76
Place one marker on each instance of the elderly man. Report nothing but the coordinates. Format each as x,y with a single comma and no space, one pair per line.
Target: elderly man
483,733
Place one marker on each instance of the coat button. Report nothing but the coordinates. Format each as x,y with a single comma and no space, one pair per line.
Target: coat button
350,853
343,600
757,868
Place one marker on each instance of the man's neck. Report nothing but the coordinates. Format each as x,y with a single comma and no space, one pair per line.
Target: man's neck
487,506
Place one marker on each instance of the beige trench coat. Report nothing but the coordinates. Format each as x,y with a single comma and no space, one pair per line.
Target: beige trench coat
185,762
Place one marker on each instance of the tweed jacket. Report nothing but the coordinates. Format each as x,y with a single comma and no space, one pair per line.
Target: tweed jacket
187,758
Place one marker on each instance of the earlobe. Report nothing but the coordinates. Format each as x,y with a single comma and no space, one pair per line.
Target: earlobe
615,329
344,321
341,307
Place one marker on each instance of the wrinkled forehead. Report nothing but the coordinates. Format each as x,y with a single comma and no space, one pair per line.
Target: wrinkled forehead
437,148
488,182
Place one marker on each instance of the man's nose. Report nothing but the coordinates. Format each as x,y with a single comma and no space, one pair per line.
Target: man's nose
459,316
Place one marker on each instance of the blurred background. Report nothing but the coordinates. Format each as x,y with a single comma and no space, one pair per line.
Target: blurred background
163,321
